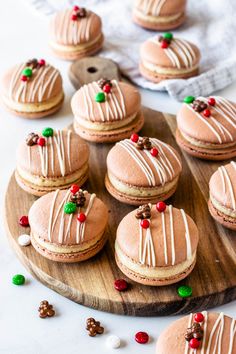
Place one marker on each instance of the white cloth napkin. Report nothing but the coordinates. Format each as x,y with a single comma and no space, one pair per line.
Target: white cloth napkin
210,25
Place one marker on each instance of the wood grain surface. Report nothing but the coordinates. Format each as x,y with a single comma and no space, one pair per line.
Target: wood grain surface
91,283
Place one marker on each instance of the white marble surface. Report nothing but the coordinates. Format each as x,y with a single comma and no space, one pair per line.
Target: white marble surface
22,36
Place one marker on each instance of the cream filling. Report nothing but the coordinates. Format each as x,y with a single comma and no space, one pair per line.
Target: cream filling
33,107
223,209
153,272
141,191
167,71
105,126
74,48
204,145
83,247
156,19
41,181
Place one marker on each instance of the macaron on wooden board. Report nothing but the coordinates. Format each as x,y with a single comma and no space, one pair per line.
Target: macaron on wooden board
91,283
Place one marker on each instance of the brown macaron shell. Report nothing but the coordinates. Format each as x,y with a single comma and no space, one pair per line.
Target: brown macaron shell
172,338
49,225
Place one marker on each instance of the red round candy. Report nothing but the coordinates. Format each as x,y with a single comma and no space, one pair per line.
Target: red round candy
120,284
41,141
211,101
134,138
42,62
74,188
207,113
142,337
199,317
76,8
24,78
81,217
145,224
106,88
161,206
24,221
74,17
164,44
194,343
154,152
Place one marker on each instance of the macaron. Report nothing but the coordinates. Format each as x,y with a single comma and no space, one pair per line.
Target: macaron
68,225
32,89
156,245
53,159
159,15
166,57
222,201
75,32
207,127
204,332
107,111
142,170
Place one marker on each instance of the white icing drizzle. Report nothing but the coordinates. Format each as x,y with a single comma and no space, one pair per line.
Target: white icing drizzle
60,151
220,324
186,350
151,6
51,215
68,149
146,252
232,335
14,79
225,177
187,235
80,229
164,237
172,235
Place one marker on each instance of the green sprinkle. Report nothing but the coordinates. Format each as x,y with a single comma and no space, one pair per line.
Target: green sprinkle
185,291
100,97
27,72
70,208
168,35
18,279
47,132
189,99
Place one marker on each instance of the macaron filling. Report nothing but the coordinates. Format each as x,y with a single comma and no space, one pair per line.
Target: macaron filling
167,70
222,208
78,47
157,19
205,144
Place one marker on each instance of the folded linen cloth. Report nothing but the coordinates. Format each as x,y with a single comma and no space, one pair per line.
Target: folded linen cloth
210,25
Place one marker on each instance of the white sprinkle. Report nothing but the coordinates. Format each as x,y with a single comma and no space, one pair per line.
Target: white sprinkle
113,342
24,240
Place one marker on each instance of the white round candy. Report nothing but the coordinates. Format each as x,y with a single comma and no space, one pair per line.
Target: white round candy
113,341
24,240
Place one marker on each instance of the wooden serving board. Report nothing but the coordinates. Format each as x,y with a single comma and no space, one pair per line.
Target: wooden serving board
91,283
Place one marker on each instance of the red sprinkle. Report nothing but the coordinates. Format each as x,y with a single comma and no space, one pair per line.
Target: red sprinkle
24,78
120,284
76,8
24,221
81,217
106,88
41,62
74,17
164,44
145,224
207,113
161,206
41,141
211,101
74,188
199,317
134,138
154,152
194,343
142,337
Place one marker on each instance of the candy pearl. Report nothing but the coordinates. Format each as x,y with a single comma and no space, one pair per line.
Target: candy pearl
113,342
74,188
27,72
185,291
47,132
24,221
106,88
24,240
69,208
74,17
189,99
41,141
81,217
161,206
207,113
24,78
211,101
154,152
120,284
41,62
100,97
134,138
168,35
145,224
76,8
164,44
142,337
18,279
199,317
194,343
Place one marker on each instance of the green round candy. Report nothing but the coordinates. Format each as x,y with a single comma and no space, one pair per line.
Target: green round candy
168,35
189,99
185,291
47,132
18,279
27,72
100,97
70,208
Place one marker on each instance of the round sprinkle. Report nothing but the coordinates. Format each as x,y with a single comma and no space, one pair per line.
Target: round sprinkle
100,97
185,291
194,343
168,35
141,337
18,279
41,142
211,101
74,188
76,8
198,317
120,284
47,132
106,88
24,221
161,206
154,152
42,62
74,17
24,78
145,224
164,44
206,113
70,208
134,138
189,99
24,240
27,72
81,217
113,342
